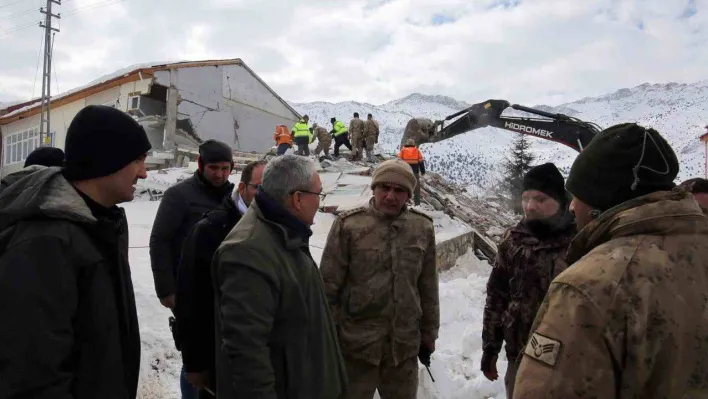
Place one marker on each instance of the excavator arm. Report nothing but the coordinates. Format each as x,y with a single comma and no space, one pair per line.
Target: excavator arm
560,128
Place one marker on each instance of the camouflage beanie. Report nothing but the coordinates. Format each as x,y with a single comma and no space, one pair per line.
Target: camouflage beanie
621,163
395,171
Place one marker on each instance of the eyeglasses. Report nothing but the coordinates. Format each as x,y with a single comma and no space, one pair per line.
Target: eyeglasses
252,185
320,194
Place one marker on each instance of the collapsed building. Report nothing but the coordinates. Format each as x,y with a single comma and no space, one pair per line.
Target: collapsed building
179,104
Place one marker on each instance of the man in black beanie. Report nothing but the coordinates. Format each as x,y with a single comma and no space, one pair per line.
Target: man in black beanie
529,257
70,322
45,156
181,207
626,319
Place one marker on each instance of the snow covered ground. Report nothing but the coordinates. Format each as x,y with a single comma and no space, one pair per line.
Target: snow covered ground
455,364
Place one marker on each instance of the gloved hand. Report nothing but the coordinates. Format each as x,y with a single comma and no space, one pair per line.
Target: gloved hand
424,354
489,366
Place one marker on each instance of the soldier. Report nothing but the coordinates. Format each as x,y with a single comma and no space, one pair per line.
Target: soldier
627,318
324,140
381,282
356,131
370,117
370,134
699,188
529,257
341,136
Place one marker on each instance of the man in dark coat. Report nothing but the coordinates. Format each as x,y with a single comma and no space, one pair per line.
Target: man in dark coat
70,327
195,291
275,333
529,257
180,209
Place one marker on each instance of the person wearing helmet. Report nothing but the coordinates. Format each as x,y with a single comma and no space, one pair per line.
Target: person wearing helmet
413,157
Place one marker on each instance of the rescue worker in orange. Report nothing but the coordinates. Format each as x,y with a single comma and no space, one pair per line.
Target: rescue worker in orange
413,157
283,139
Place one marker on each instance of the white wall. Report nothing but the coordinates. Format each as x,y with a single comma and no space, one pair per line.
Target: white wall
229,104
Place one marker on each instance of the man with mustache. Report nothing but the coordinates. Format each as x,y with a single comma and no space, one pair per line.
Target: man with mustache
529,257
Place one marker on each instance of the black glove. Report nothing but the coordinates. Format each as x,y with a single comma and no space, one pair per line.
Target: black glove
488,360
424,354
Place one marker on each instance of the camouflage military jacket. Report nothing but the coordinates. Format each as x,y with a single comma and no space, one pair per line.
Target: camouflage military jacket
356,127
522,272
628,319
370,129
381,281
322,135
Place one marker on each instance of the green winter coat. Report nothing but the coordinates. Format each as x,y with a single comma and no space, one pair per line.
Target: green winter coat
275,334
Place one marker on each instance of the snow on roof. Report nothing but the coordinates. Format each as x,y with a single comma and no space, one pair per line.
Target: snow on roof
106,78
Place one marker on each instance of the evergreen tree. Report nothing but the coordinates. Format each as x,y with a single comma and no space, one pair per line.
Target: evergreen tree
515,166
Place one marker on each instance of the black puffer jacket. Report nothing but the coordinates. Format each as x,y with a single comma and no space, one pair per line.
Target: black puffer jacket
195,291
70,328
181,207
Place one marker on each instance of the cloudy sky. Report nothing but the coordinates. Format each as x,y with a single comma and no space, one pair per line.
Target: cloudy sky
526,51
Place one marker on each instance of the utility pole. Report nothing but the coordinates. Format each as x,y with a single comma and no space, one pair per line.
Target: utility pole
44,124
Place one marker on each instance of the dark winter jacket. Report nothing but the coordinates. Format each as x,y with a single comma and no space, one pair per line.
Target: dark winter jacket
13,177
522,273
181,207
70,328
195,290
274,329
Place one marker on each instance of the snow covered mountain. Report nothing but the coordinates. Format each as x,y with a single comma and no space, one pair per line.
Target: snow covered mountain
678,111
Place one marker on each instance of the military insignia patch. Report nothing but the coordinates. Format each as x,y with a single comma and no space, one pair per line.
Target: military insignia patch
543,349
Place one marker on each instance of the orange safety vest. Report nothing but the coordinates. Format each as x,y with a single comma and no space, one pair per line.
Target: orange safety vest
411,155
282,135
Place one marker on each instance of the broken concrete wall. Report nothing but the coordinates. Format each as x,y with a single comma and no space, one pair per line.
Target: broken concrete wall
229,104
448,251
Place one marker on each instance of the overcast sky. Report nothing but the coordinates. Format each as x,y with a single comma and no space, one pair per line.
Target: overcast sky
525,51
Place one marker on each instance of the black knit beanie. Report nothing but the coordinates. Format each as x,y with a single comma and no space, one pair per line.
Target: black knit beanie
45,156
213,151
100,141
547,179
623,162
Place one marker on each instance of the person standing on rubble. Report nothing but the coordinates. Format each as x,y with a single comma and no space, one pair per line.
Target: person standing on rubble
195,292
341,136
324,140
530,255
411,155
275,334
370,118
69,320
381,280
181,207
302,136
283,139
370,133
356,131
627,318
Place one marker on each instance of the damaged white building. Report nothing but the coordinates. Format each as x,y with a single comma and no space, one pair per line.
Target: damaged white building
179,104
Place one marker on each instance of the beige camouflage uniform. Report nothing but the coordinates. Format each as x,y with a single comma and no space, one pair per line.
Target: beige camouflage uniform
381,282
371,134
324,140
628,318
356,134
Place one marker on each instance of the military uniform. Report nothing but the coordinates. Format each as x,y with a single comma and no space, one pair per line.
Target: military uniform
324,141
523,270
356,132
627,319
381,282
371,133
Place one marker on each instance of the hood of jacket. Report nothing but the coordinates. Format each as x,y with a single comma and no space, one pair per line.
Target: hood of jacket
661,213
42,194
14,177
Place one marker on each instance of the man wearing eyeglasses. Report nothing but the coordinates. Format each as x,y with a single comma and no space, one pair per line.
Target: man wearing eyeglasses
194,307
274,331
381,282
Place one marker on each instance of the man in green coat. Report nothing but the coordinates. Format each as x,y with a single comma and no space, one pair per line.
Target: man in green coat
275,335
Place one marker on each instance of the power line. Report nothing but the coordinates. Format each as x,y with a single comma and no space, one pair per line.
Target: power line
9,4
16,14
34,85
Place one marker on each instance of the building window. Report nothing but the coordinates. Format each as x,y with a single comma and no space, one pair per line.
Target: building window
133,102
19,145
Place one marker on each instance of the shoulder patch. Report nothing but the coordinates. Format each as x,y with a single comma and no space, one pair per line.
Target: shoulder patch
417,212
350,212
543,349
